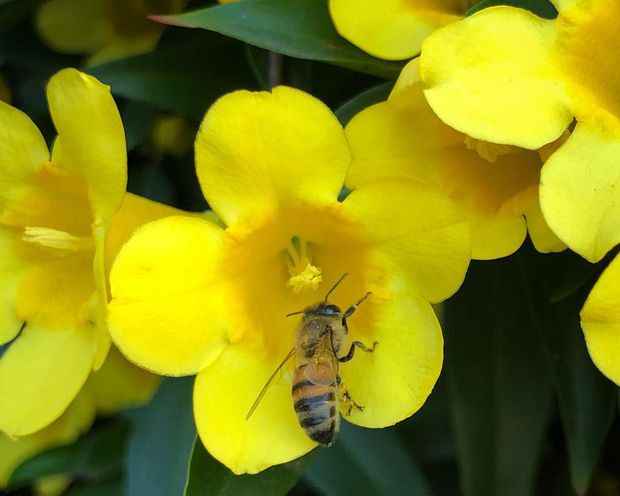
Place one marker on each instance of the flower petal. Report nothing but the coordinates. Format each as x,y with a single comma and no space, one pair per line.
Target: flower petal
120,384
135,211
496,236
543,238
73,26
11,269
404,138
387,141
40,375
91,139
255,151
600,321
492,77
168,307
223,394
580,192
393,381
587,44
391,29
22,147
121,47
415,233
55,293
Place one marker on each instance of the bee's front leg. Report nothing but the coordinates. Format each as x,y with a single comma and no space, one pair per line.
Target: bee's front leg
345,398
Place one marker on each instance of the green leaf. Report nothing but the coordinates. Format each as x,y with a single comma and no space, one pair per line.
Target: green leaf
542,8
580,275
350,108
208,477
138,120
367,461
107,488
162,440
297,28
586,399
499,391
98,455
185,76
428,433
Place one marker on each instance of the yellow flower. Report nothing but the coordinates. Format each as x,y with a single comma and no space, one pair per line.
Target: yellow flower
394,29
190,297
117,385
103,29
62,220
507,76
496,185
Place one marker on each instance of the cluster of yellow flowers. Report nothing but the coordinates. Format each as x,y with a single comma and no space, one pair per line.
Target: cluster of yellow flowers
512,82
490,134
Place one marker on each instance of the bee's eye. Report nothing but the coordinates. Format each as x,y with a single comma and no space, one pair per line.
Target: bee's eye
331,310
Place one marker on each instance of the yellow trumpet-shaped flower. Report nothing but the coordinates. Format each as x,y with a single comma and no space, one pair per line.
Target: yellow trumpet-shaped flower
189,297
102,29
117,385
62,219
394,29
496,185
507,76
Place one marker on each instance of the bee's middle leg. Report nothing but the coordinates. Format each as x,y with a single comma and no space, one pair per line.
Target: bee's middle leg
346,399
359,345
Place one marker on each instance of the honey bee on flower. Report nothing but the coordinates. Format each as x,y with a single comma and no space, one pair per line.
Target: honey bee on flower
317,387
190,297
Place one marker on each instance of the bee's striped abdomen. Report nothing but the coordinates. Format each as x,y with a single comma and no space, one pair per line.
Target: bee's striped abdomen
316,408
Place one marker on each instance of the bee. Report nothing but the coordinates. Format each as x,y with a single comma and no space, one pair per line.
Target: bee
317,387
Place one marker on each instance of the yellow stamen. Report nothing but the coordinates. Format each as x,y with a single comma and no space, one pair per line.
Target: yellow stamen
486,150
60,240
304,275
309,278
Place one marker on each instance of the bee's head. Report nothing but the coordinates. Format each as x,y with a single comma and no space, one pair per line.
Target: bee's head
323,308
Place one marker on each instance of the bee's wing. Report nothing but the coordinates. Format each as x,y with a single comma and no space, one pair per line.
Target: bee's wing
322,369
290,355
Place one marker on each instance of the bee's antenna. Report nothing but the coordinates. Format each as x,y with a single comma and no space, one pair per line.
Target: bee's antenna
336,285
294,313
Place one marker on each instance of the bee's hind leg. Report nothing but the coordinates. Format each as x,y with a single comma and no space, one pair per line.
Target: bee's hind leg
346,399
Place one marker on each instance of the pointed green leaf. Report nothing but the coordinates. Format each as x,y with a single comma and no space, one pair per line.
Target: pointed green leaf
107,488
161,443
367,461
184,77
98,455
499,391
208,477
586,398
297,28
